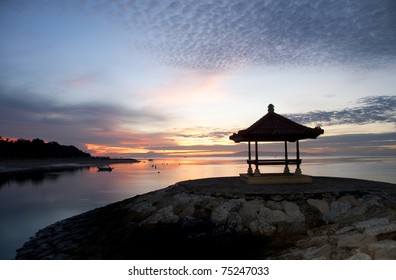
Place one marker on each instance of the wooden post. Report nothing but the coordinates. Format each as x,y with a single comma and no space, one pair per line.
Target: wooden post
286,170
256,171
298,170
250,170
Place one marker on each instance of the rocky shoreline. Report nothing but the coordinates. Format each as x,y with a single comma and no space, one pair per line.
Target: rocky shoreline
224,218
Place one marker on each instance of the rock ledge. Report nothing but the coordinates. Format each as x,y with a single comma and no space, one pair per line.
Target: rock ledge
224,218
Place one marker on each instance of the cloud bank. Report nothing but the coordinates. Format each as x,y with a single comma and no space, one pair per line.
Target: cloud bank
369,109
220,35
228,34
27,115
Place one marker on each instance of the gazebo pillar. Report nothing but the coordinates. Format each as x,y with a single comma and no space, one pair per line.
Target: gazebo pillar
256,170
286,170
298,170
250,170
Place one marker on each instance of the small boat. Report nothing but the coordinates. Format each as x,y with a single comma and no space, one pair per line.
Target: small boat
105,168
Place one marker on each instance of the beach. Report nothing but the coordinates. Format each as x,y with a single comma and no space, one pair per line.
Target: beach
224,218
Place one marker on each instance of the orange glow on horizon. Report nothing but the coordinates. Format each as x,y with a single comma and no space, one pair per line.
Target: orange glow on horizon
198,153
103,150
391,147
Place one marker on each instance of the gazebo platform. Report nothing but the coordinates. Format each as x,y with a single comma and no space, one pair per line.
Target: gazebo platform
276,178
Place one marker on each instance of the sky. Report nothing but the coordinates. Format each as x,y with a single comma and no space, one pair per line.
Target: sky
139,78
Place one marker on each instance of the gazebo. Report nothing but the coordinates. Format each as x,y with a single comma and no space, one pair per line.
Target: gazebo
275,128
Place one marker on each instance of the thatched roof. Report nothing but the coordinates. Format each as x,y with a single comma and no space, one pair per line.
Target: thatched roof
274,127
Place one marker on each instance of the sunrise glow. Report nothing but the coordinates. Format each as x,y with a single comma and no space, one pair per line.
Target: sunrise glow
164,79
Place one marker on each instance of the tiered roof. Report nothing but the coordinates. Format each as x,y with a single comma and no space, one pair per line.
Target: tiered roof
274,127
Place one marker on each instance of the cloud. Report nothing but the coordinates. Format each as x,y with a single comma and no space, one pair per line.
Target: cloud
202,136
27,115
212,135
370,109
229,34
223,35
30,107
354,144
78,82
188,89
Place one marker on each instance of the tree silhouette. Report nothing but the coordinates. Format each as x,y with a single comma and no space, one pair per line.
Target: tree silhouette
37,148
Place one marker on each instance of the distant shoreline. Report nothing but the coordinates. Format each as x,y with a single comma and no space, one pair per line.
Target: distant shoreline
27,165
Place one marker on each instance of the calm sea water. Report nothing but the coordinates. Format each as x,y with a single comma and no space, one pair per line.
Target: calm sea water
30,204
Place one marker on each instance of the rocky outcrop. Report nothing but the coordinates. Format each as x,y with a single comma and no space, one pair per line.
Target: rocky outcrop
184,223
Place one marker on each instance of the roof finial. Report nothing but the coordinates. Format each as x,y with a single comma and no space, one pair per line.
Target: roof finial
270,108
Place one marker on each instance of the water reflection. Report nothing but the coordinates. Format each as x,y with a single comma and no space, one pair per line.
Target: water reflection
34,177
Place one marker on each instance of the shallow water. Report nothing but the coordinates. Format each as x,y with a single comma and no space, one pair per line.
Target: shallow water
31,203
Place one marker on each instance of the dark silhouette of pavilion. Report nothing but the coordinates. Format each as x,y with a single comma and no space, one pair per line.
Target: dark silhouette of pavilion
275,128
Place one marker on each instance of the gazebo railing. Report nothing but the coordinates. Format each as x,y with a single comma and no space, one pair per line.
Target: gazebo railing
274,161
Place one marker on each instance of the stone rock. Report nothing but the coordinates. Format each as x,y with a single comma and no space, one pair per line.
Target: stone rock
323,230
318,253
374,222
357,213
220,213
164,215
235,222
376,226
182,200
383,250
321,205
345,229
368,203
205,207
351,199
143,207
67,245
342,253
168,216
375,209
356,240
260,227
338,210
234,219
292,229
188,211
154,197
293,212
271,216
249,211
383,244
360,256
316,241
153,219
274,205
223,230
391,228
